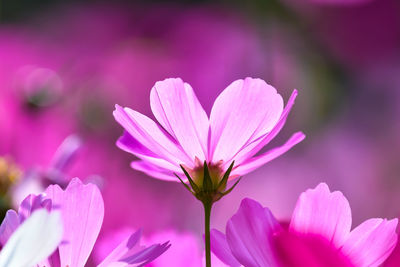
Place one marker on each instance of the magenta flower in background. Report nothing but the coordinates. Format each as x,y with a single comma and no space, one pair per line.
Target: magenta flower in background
318,235
36,179
245,117
82,211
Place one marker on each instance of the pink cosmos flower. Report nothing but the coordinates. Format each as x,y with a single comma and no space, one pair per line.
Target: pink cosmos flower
318,235
82,211
245,117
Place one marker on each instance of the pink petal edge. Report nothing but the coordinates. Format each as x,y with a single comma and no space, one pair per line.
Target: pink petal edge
320,213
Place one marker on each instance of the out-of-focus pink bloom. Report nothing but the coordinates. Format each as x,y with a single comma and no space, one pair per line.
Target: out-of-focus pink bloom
245,117
36,179
184,244
335,29
186,249
82,211
340,2
319,235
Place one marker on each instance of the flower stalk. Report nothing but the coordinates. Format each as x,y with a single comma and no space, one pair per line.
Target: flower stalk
208,192
207,214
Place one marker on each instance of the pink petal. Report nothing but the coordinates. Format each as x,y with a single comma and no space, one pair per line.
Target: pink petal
258,161
295,250
251,149
82,211
32,203
250,232
34,240
129,144
150,135
130,253
147,255
220,247
244,111
63,158
321,213
129,246
156,172
371,243
9,224
178,110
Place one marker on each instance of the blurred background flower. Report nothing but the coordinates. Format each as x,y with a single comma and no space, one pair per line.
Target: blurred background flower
63,66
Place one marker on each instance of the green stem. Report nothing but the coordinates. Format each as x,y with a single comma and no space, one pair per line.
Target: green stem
207,213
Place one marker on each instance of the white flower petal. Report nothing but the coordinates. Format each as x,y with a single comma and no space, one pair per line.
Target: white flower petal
34,240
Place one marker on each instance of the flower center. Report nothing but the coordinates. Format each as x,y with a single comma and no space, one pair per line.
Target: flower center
9,175
207,181
215,170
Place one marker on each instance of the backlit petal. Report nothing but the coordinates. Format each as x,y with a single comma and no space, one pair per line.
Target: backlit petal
129,144
34,240
178,110
130,253
151,136
156,172
322,214
8,226
258,161
129,246
32,203
252,148
371,243
244,111
82,211
249,234
220,247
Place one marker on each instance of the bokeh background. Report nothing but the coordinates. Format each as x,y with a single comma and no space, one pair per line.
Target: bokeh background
63,67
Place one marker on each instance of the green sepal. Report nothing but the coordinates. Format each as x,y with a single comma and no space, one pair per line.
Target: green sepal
184,184
224,180
192,183
207,182
230,189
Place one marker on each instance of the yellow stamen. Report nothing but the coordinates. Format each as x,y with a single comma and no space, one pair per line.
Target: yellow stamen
9,174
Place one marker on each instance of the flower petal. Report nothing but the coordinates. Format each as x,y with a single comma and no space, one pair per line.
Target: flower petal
82,211
220,247
130,253
63,158
150,135
156,172
252,148
178,110
295,250
258,161
8,226
371,243
321,213
129,144
32,203
250,232
128,246
34,240
244,111
147,255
